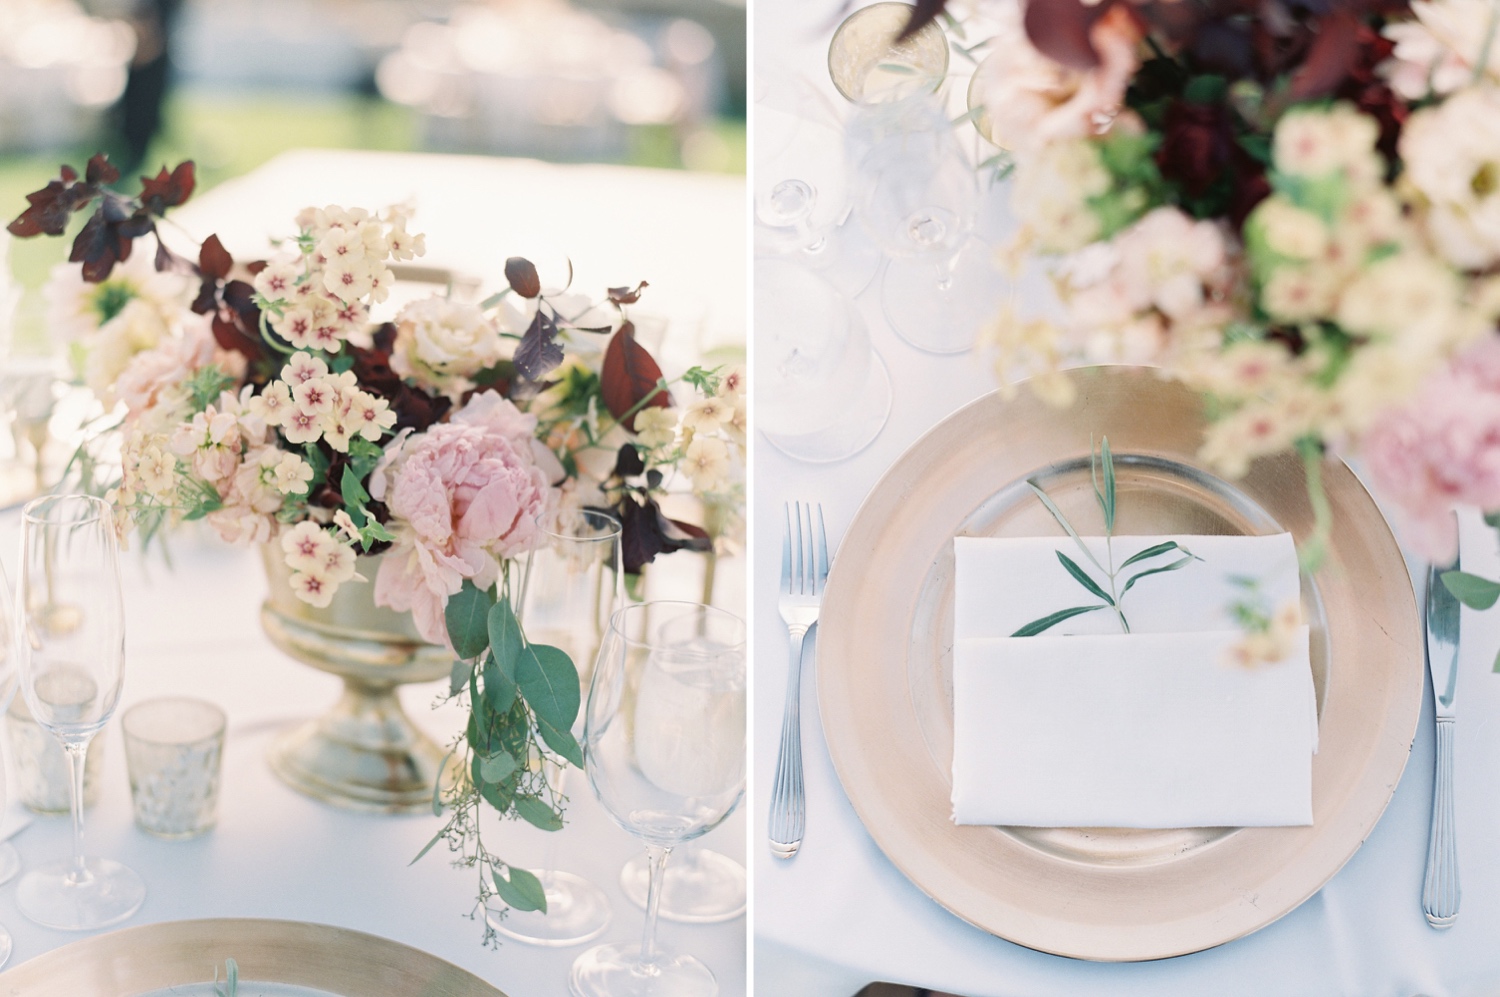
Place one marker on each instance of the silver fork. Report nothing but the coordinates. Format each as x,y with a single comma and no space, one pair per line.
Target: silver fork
802,580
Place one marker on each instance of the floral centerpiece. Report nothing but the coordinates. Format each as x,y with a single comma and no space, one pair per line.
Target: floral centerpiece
1294,207
262,399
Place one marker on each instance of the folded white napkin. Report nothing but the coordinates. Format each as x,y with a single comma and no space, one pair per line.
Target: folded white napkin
1151,729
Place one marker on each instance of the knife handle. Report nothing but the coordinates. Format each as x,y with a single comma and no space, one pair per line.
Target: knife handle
1440,892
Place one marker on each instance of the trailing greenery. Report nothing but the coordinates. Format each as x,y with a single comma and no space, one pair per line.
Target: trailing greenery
522,700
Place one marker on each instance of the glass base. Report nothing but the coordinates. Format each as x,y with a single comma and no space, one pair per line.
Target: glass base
5,946
848,260
107,894
857,430
936,319
577,912
615,971
698,886
10,866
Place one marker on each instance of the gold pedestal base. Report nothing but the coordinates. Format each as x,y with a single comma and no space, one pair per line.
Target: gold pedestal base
364,754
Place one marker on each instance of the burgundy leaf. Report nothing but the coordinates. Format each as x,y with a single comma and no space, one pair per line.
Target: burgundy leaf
627,295
1060,30
630,376
628,462
214,260
100,170
539,350
168,190
645,533
923,13
99,246
52,206
1334,49
522,276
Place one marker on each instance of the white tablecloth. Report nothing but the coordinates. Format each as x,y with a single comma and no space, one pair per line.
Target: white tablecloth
194,630
840,915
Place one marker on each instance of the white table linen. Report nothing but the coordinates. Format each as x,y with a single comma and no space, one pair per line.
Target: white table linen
840,915
194,629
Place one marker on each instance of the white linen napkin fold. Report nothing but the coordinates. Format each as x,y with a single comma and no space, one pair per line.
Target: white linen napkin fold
1103,729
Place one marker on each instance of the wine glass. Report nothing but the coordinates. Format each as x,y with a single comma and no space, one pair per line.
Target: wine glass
571,585
918,197
869,66
822,392
802,192
71,617
664,748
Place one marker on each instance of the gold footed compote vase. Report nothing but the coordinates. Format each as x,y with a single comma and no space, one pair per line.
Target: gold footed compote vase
365,753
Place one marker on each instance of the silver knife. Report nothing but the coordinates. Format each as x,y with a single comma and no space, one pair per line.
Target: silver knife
1440,892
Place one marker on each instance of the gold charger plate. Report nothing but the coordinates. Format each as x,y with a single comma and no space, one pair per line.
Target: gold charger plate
154,957
885,672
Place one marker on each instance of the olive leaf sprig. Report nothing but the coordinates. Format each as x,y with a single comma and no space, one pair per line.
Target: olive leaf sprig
1102,471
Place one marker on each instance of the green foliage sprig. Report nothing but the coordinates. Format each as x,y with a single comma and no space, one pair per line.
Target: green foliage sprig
1102,472
522,700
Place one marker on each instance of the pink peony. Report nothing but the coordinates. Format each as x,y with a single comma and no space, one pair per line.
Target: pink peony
465,495
1442,449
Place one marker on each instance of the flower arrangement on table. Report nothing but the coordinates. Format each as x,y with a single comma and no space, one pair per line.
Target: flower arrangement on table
1293,207
263,400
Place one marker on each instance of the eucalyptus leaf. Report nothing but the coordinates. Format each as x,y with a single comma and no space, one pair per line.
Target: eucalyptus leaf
466,613
499,685
459,677
1062,521
1108,461
427,847
1047,622
497,767
505,634
1175,565
1083,578
498,795
437,785
561,741
522,891
549,682
1471,590
538,813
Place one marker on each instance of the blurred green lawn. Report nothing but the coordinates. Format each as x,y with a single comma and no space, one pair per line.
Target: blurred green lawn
228,135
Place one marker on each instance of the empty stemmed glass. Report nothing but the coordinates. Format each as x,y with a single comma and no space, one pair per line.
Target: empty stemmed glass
664,747
918,197
71,618
571,587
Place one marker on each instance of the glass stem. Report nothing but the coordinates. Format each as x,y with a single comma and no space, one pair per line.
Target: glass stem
556,774
656,856
945,272
76,752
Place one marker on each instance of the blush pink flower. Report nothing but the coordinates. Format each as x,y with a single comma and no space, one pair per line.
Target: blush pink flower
464,496
1442,450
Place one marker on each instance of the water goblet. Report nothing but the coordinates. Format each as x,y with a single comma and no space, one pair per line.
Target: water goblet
918,197
71,618
664,749
571,585
822,392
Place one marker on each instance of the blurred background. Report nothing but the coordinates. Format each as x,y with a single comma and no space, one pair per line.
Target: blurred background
232,83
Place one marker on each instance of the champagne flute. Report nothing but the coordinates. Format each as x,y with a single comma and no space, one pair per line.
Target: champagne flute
869,66
571,585
71,616
664,747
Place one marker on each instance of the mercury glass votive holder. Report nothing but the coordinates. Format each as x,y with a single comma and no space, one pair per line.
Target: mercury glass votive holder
174,747
41,766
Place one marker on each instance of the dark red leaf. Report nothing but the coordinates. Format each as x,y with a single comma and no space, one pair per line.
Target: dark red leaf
168,190
923,13
628,462
1060,30
539,350
521,274
213,259
1334,50
256,266
627,295
99,246
52,206
630,376
645,533
101,171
